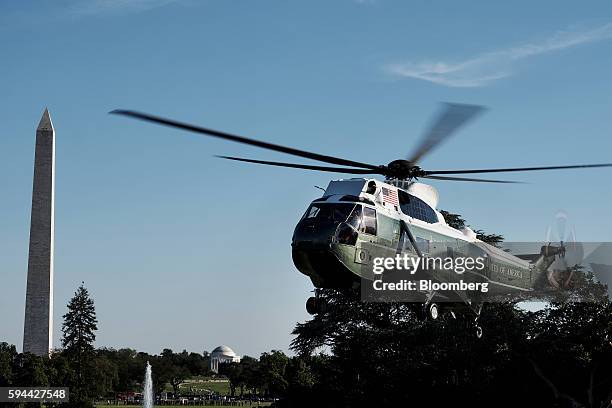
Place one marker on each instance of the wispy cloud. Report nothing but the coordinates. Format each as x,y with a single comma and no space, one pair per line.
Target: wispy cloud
92,7
486,68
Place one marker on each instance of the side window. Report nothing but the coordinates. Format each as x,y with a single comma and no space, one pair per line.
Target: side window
416,208
450,252
430,214
387,228
404,201
368,224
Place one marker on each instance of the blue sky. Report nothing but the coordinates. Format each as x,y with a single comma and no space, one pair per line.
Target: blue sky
183,250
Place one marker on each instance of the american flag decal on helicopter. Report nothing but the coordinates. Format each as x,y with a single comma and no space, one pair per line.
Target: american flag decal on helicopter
390,196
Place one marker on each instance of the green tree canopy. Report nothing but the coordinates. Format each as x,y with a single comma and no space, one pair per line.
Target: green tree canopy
80,323
78,330
8,354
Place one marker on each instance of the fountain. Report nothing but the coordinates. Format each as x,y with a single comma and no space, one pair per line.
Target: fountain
148,388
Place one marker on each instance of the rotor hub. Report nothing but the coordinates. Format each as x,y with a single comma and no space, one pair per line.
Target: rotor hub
403,169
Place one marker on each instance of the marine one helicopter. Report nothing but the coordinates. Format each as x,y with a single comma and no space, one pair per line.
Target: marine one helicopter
359,219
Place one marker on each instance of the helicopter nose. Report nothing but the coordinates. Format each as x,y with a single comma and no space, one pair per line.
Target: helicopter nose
309,237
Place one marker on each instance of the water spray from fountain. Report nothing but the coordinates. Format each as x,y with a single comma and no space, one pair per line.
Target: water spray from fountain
148,388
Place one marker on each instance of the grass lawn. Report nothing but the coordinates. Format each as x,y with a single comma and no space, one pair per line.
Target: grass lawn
200,385
203,385
261,404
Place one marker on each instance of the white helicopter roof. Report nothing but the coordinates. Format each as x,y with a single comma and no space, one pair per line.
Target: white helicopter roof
359,187
356,186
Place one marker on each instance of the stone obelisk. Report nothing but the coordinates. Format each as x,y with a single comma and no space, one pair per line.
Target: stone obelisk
38,324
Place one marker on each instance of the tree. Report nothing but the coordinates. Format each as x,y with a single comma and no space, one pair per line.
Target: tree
491,239
107,376
29,371
78,330
80,323
251,372
60,369
8,354
234,373
173,368
571,351
177,376
300,376
272,369
456,221
453,220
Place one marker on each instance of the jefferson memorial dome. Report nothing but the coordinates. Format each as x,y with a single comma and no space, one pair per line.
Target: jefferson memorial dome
221,355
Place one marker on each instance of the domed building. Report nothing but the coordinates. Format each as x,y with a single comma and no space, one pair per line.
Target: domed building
220,355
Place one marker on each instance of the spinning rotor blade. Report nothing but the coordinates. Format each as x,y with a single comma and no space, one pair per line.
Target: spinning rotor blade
577,166
561,271
450,120
241,139
304,166
472,179
561,221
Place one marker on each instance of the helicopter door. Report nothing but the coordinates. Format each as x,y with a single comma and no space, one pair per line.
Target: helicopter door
367,228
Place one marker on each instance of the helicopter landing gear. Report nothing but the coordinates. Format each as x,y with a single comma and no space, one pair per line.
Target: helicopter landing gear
316,304
431,310
476,319
311,305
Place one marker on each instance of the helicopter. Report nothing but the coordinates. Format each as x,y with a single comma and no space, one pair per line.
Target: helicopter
361,219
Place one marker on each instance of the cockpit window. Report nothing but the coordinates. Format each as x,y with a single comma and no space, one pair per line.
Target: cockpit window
363,219
328,213
355,217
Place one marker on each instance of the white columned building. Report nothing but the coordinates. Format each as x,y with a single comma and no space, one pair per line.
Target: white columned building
221,355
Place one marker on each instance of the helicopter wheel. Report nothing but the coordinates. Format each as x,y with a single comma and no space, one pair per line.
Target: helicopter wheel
432,311
315,305
311,305
476,321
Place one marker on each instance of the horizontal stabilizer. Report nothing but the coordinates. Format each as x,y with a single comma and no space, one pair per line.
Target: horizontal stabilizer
529,257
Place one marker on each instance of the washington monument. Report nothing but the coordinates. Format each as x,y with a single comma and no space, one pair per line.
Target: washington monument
38,324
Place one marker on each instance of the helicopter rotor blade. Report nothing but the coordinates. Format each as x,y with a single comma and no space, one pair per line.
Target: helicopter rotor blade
501,170
472,179
240,139
452,117
304,166
561,221
548,235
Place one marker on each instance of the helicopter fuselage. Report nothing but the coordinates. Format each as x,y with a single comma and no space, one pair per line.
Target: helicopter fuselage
358,220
